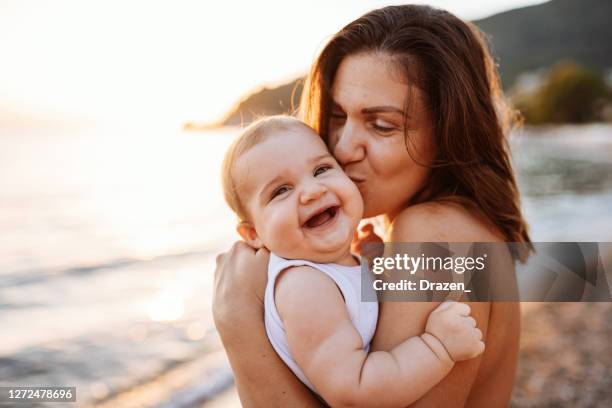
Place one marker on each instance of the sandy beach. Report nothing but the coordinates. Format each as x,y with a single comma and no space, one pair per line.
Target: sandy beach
566,356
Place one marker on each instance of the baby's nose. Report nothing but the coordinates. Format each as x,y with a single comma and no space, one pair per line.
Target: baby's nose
312,191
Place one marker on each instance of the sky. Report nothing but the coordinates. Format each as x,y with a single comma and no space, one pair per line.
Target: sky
171,61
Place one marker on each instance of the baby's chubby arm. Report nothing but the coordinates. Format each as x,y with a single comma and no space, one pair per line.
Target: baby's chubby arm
329,349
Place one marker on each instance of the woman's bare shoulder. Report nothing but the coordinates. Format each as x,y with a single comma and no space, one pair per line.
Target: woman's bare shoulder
440,222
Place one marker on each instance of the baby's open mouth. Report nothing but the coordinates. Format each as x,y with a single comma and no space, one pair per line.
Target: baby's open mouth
322,218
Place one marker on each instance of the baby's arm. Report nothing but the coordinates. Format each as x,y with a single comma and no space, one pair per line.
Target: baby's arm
329,350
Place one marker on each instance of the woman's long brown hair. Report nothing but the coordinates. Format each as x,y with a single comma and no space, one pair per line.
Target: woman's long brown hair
449,61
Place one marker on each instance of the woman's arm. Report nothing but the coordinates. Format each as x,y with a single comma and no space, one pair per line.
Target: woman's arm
434,223
262,379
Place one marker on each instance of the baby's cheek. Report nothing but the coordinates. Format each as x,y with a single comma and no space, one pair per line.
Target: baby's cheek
353,202
281,231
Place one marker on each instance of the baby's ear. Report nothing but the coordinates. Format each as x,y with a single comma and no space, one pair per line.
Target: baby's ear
247,231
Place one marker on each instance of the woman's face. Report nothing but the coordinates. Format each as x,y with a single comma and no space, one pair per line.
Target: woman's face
369,132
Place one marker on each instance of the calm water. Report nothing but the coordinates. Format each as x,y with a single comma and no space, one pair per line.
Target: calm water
565,178
109,235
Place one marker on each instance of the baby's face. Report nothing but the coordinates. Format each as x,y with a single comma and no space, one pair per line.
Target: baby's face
300,202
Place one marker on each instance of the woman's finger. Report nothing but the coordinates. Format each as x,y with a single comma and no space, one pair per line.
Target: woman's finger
372,238
240,277
262,254
239,246
367,228
355,247
220,258
367,234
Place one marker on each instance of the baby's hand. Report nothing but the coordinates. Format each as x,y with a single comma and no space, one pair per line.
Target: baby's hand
453,326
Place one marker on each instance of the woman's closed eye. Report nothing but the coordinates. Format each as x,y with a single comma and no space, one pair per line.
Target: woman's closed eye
337,116
383,127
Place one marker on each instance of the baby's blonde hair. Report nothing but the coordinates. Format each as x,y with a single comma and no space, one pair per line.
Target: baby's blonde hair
254,134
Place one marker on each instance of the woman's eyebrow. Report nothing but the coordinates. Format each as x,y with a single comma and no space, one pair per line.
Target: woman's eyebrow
382,109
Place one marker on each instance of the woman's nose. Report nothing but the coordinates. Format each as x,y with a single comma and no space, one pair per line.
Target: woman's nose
349,147
312,191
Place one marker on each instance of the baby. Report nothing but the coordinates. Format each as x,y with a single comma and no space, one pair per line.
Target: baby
292,198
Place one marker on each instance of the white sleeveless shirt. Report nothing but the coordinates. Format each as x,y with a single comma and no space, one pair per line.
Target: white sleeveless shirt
364,315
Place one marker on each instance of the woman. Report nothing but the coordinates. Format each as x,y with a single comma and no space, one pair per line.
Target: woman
408,100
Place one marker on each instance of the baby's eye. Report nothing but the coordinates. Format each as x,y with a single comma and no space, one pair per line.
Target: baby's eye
321,169
279,191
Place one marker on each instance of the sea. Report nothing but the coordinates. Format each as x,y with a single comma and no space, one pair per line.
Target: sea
108,238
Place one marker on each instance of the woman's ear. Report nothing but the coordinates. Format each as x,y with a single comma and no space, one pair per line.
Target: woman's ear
247,231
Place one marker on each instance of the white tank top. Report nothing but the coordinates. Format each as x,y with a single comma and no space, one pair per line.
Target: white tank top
364,315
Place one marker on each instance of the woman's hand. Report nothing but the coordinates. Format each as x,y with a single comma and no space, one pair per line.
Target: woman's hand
240,282
362,238
262,379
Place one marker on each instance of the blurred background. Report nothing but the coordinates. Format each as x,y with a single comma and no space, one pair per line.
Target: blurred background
114,117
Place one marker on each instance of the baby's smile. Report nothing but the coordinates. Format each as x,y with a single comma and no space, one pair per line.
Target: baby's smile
323,218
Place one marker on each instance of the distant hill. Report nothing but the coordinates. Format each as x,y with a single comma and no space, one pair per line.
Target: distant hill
522,40
533,37
266,101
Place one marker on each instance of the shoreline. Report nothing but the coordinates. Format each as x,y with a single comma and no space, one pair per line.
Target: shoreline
200,381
